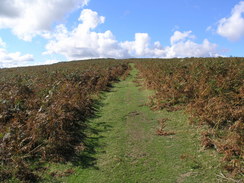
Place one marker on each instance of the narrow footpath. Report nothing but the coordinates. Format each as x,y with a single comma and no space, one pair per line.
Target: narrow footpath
126,148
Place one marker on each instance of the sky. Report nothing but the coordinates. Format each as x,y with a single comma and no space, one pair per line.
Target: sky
37,32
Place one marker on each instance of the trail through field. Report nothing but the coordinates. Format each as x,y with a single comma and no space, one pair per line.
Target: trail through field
126,149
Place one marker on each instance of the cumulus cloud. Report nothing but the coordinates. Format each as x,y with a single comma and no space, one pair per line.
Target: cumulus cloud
180,47
180,36
28,18
13,59
139,47
83,42
8,8
233,27
191,49
90,19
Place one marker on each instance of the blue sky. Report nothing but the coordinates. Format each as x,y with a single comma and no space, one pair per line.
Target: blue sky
36,32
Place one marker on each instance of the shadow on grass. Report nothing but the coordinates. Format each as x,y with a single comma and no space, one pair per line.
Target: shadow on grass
86,159
90,136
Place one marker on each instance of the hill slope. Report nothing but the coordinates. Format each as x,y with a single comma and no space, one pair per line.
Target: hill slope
127,148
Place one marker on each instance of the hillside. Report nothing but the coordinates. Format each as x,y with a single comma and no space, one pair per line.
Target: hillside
137,120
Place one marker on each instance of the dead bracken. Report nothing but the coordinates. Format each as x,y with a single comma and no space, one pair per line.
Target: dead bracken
161,131
211,90
43,112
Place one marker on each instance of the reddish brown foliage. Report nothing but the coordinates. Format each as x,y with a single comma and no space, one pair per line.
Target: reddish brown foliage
43,111
212,92
161,131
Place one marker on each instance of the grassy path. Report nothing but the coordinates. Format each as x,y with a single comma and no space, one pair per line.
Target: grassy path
126,149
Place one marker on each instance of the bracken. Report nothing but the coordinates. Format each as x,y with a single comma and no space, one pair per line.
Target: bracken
43,112
212,92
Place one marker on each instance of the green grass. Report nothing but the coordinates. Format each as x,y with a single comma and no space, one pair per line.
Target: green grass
123,146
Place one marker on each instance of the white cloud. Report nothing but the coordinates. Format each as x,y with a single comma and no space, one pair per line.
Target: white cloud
83,42
28,18
13,59
2,43
233,26
48,62
181,36
180,47
139,47
191,49
9,8
90,19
